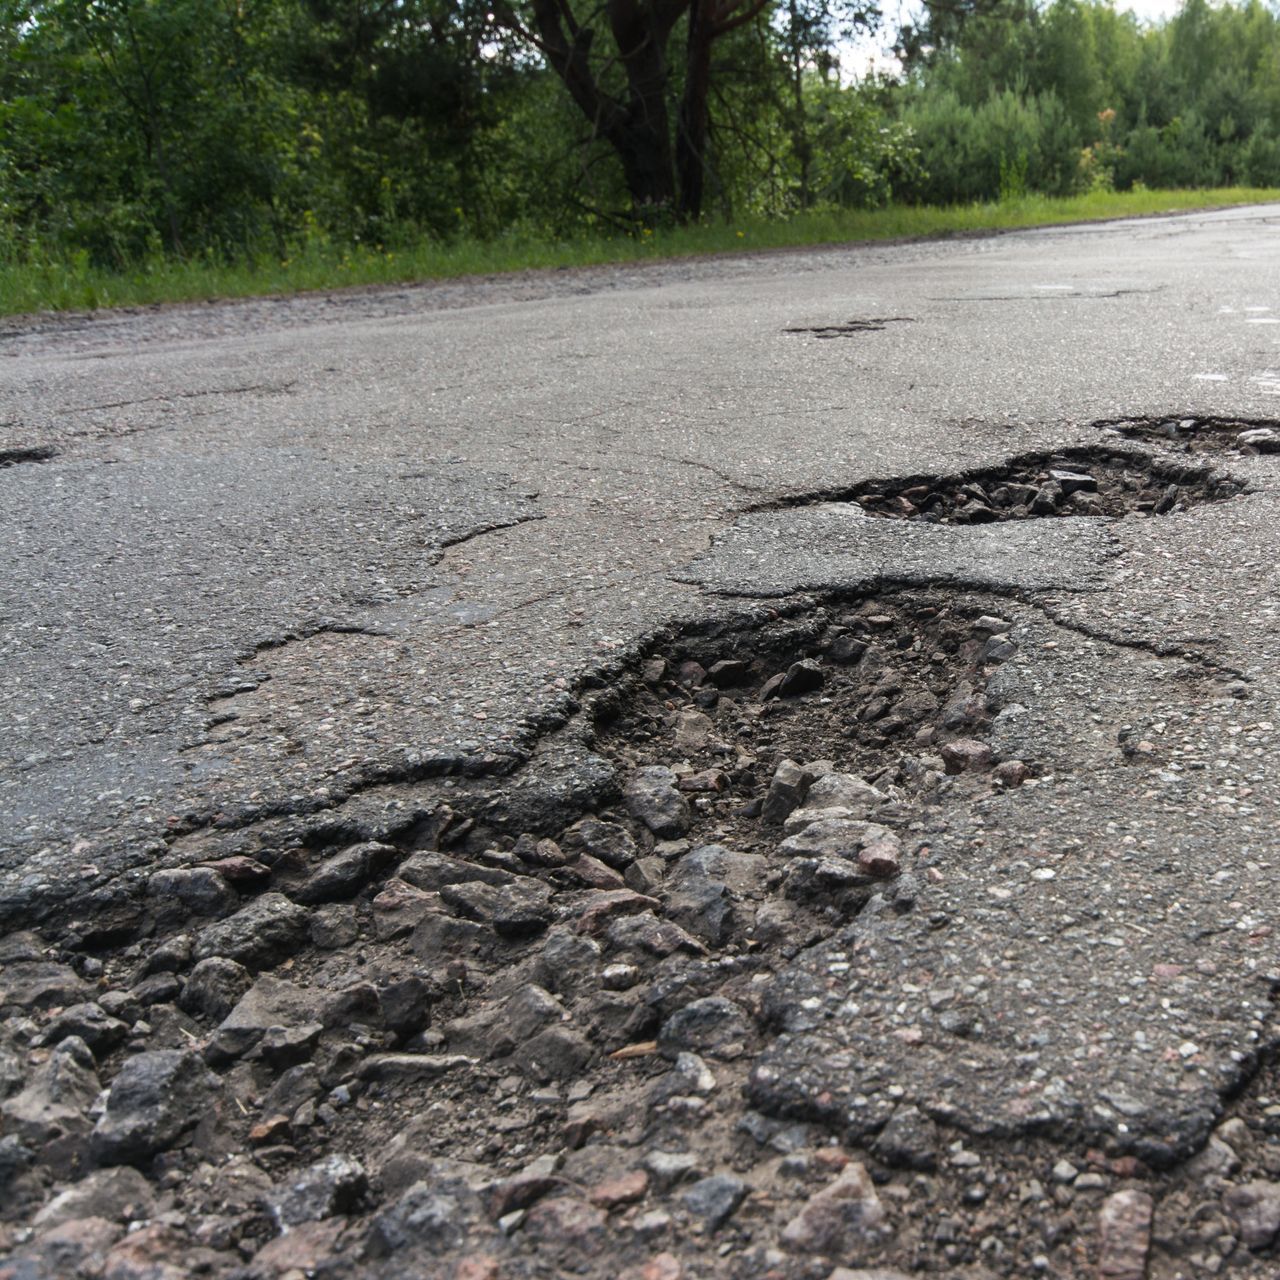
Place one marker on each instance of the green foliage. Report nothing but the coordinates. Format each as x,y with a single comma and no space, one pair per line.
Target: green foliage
148,138
1076,97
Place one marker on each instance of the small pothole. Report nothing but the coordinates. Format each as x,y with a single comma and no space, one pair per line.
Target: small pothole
1079,482
847,328
11,457
1204,435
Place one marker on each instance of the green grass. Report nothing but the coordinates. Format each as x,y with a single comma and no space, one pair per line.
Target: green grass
75,285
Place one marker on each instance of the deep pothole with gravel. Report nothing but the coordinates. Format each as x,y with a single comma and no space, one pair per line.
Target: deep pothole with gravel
451,1046
1117,483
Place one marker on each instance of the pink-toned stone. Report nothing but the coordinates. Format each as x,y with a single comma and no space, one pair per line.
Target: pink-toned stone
662,1266
625,1189
844,1214
608,905
881,858
565,1221
966,755
302,1249
1124,1223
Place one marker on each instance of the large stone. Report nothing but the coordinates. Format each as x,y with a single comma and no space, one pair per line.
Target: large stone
1125,1227
845,791
270,1002
710,1025
183,891
39,984
57,1097
652,798
259,935
712,1201
335,1185
344,874
90,1023
435,1213
787,791
611,843
844,1216
117,1195
1255,1206
156,1098
213,987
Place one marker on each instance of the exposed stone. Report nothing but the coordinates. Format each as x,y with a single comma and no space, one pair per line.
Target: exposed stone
159,988
804,676
909,1140
183,891
270,1002
398,907
334,926
213,987
626,1188
692,731
653,798
435,1213
344,874
412,1066
556,1053
90,1023
845,1215
670,1167
608,841
712,1200
39,985
295,1087
1124,1224
332,1186
705,908
647,934
433,871
258,935
522,909
529,1010
787,790
711,1025
116,1195
1011,773
153,1101
1255,1207
966,755
406,1004
566,1223
55,1101
845,791
607,905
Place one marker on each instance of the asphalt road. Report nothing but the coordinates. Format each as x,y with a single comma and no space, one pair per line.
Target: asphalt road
284,553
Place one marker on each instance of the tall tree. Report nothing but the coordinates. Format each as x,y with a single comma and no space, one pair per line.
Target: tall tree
625,90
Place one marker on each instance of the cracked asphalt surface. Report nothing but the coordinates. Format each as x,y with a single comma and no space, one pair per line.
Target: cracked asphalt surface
289,556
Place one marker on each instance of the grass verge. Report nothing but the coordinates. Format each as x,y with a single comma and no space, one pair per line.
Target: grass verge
75,285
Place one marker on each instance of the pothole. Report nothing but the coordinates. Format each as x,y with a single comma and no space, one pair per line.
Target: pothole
873,703
1203,435
11,457
847,328
1113,483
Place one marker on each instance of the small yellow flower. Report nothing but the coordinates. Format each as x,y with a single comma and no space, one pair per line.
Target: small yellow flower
740,235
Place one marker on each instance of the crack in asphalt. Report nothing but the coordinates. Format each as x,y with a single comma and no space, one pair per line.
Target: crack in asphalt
274,388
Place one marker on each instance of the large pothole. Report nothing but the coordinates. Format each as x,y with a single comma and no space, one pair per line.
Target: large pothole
1113,483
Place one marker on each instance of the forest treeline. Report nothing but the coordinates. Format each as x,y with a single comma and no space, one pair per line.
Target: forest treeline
238,128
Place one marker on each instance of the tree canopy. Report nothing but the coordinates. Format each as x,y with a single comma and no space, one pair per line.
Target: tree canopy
243,127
